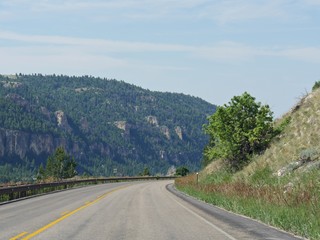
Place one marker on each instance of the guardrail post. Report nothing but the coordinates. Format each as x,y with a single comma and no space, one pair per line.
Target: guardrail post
197,178
11,196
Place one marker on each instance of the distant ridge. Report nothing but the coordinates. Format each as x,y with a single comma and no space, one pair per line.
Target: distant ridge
103,123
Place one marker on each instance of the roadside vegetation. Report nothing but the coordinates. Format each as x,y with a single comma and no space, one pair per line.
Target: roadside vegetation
278,184
60,165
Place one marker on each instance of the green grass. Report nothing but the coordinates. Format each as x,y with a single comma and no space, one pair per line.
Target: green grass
295,211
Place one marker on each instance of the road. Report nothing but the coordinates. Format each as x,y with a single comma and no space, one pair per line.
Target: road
136,210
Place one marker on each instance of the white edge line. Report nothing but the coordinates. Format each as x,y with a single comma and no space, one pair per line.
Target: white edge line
203,219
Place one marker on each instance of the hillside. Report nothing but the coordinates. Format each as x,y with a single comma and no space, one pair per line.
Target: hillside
281,186
298,145
297,149
104,124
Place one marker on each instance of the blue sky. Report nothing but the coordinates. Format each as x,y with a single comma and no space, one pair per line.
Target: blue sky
213,49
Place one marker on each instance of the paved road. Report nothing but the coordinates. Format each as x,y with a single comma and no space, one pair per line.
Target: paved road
140,210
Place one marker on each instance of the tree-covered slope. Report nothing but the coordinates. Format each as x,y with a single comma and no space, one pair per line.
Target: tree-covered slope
104,124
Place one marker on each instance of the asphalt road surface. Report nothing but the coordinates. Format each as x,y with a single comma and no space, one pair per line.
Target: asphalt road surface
137,210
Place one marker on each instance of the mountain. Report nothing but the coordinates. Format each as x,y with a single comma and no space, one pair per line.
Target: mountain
103,123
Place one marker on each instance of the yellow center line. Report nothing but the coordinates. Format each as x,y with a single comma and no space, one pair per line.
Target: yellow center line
64,213
19,236
40,230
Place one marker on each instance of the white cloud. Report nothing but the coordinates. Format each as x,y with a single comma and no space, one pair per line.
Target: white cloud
307,54
226,51
101,44
67,5
234,53
220,11
230,11
56,60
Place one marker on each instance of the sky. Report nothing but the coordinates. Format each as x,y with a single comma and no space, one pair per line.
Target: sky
212,49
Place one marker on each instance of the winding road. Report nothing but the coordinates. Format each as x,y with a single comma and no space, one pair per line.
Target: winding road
143,210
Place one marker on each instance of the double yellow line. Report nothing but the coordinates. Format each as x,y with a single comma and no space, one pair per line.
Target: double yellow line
23,236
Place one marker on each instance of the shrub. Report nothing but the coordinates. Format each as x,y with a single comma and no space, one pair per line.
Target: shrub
316,85
238,130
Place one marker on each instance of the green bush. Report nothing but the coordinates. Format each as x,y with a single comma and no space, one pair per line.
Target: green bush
316,85
239,130
182,171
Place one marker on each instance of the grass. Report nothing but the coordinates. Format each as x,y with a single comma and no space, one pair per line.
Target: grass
293,209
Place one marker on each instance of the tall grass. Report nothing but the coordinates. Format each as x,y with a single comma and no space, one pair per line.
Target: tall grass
292,208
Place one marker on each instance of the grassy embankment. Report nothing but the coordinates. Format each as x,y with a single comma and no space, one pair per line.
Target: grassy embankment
280,187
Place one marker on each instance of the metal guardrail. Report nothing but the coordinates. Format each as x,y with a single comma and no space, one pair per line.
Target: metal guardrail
16,192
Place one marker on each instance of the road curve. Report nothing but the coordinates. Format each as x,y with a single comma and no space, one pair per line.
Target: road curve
139,210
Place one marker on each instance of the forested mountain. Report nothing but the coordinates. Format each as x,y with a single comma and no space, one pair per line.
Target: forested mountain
103,123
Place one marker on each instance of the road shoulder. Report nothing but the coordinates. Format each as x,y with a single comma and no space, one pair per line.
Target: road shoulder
229,221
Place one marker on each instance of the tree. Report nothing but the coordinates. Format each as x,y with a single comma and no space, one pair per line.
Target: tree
60,165
41,172
182,171
238,130
146,172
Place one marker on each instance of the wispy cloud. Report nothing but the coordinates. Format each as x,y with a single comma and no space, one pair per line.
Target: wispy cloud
101,44
305,54
67,5
57,60
226,51
223,12
231,11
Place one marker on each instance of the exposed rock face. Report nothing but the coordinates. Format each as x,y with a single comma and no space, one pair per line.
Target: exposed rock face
171,171
84,125
17,99
21,144
153,120
98,121
165,130
178,131
85,89
41,143
162,154
13,143
46,112
10,84
18,143
300,165
101,148
63,121
121,125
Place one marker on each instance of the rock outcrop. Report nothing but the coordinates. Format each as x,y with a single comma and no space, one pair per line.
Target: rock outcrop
62,121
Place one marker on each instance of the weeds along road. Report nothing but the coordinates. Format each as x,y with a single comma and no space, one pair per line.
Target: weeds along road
136,210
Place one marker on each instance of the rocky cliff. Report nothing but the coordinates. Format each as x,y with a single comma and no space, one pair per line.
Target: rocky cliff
103,123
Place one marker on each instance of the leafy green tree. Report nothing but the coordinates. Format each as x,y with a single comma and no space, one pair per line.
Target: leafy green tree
145,172
182,171
41,172
60,165
238,130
